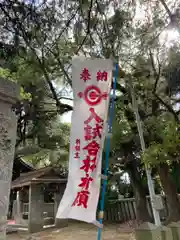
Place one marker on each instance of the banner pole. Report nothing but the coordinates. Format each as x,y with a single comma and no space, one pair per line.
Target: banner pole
110,121
142,142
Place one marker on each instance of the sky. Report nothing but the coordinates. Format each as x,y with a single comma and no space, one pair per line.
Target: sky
66,118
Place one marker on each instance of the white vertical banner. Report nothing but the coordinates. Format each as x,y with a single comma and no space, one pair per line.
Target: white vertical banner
91,82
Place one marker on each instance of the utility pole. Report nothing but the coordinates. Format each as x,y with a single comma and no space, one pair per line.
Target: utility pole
142,142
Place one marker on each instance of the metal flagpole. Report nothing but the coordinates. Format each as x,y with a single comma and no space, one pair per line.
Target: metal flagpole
148,171
110,120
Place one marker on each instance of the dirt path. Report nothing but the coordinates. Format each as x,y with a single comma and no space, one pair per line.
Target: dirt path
76,232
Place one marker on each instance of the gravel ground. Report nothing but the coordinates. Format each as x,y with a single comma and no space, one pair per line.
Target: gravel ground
78,231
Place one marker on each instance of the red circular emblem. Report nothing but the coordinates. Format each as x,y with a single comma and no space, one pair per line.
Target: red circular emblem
92,95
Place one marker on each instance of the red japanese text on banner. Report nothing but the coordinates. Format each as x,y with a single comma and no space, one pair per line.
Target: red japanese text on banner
91,82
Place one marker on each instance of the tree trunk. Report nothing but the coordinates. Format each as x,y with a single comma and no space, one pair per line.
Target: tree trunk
140,194
170,192
175,170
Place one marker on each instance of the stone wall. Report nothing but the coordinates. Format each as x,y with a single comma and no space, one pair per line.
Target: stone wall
8,124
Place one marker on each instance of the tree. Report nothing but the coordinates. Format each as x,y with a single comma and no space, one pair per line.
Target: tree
45,35
37,132
56,156
156,105
126,150
40,102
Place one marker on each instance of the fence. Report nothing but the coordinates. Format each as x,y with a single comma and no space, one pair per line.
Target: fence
116,211
125,210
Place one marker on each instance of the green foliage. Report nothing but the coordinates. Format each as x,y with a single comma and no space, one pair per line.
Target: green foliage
111,194
121,127
25,95
54,146
38,159
155,154
5,73
169,147
171,70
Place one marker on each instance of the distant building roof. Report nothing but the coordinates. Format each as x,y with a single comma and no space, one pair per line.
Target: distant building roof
43,175
20,166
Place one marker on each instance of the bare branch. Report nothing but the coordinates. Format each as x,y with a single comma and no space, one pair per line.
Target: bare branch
156,72
88,27
166,8
168,107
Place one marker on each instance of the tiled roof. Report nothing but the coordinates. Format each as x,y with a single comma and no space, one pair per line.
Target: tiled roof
26,179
